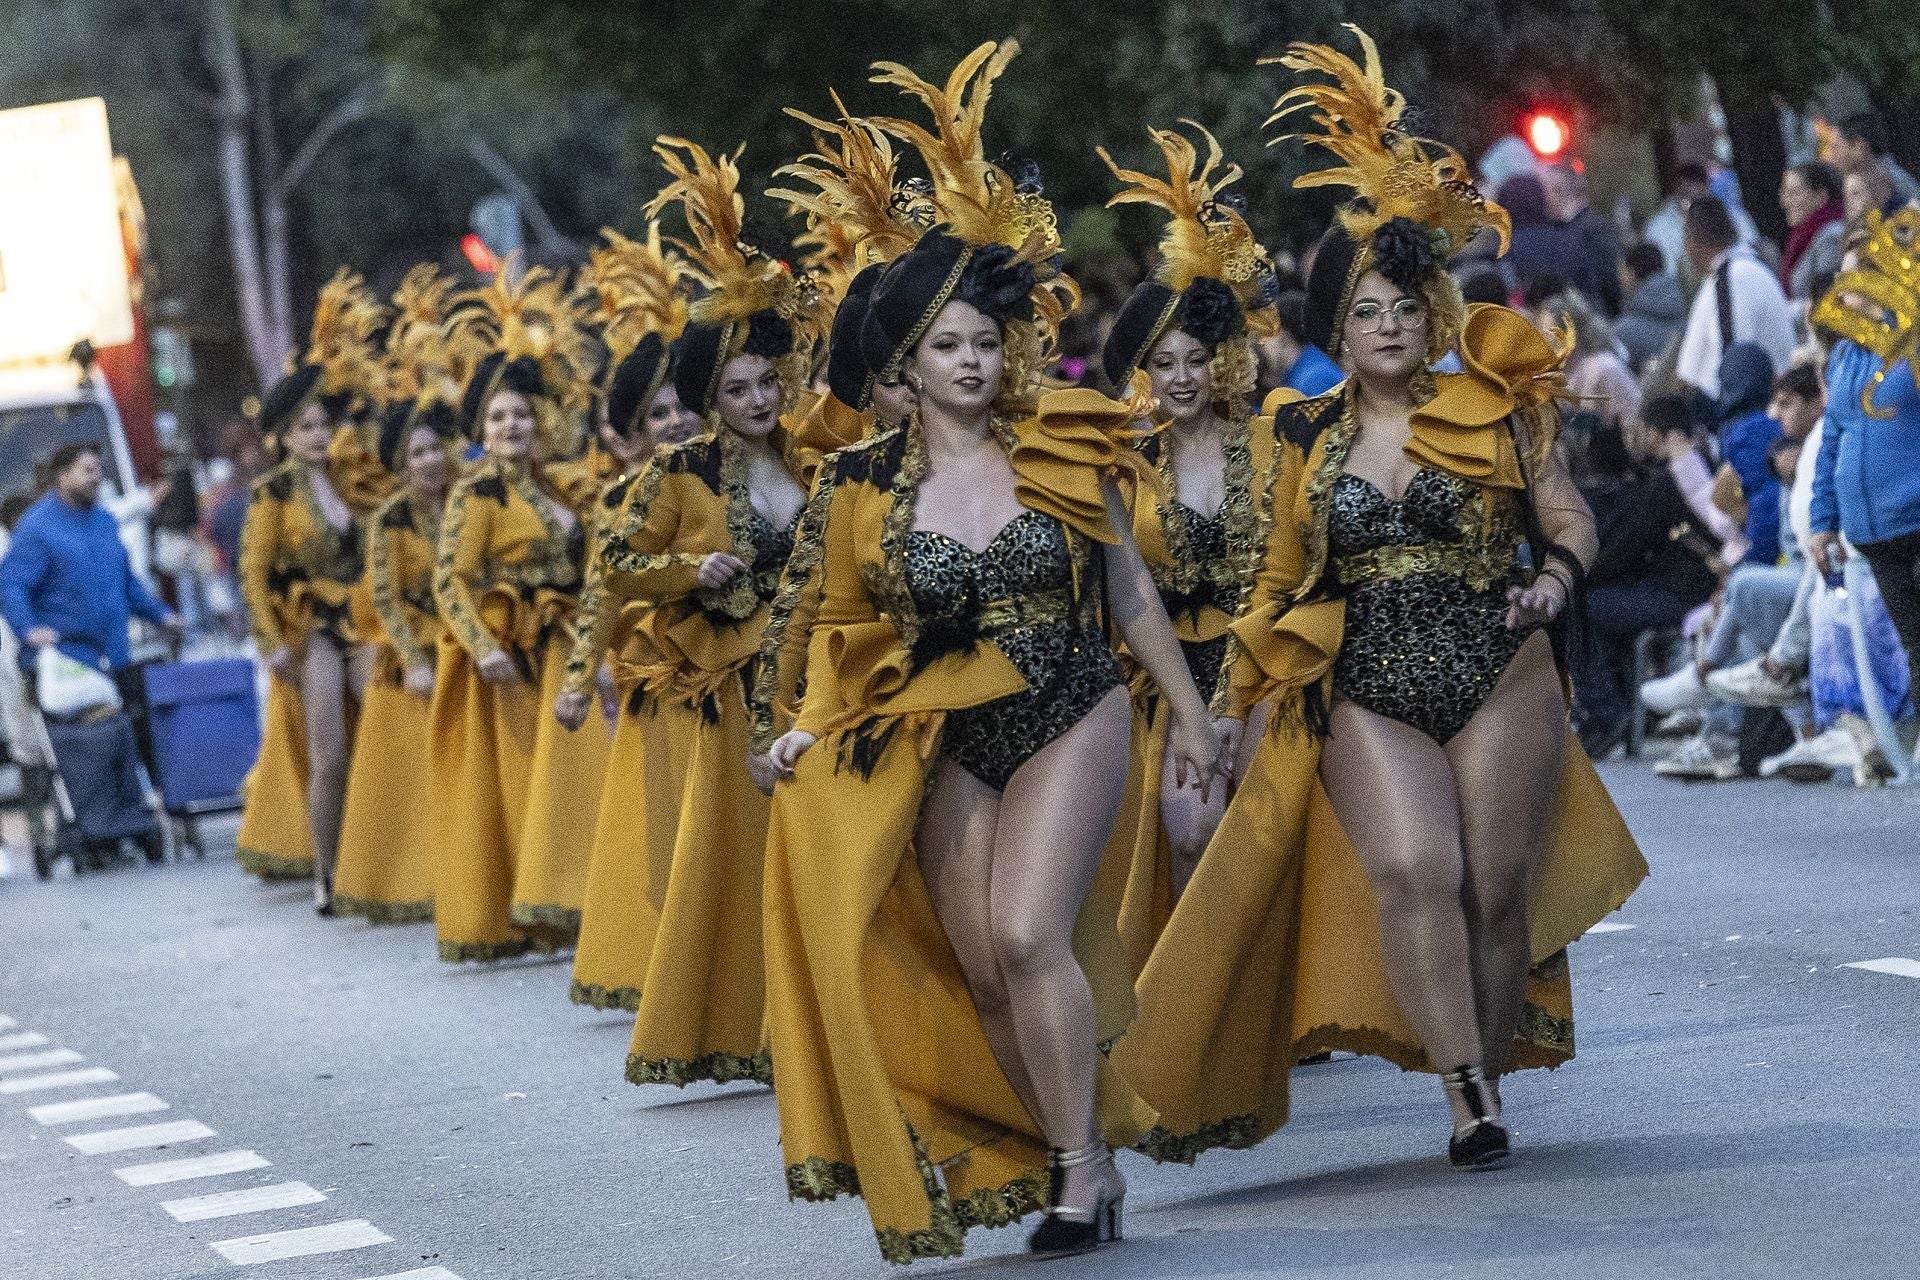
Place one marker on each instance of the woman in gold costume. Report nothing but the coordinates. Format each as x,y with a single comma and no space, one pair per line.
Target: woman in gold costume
1191,327
935,1018
300,561
638,302
505,574
1418,768
386,837
702,538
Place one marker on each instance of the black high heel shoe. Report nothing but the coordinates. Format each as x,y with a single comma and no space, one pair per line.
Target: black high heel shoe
1069,1231
1482,1144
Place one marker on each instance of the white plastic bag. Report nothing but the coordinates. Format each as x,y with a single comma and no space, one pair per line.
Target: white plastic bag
68,688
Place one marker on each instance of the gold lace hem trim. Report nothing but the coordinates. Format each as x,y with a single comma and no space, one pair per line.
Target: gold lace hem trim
720,1067
273,866
459,952
383,912
1236,1133
543,915
818,1180
596,996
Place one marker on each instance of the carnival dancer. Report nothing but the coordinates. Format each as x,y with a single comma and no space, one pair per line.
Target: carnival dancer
387,848
300,560
505,572
1419,768
933,1029
638,301
1191,326
703,538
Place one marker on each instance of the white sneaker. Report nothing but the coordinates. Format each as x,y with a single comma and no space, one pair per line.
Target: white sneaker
1706,757
1749,685
1872,769
1814,759
1677,692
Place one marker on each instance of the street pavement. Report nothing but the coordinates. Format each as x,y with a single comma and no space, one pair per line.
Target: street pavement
1743,1103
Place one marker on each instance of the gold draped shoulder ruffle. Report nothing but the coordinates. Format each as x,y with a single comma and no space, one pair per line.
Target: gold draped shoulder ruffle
1509,368
1076,438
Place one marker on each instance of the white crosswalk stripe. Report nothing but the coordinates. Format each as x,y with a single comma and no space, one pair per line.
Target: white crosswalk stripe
57,1080
38,1061
304,1242
1610,926
120,1104
213,1166
1898,966
22,1040
109,1141
225,1204
6,1023
423,1273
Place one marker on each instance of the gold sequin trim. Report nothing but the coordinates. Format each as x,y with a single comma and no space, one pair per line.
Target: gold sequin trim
720,1067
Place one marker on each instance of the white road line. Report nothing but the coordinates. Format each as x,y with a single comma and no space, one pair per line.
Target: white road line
39,1061
225,1204
335,1237
153,1175
6,1023
1899,966
121,1104
22,1040
57,1080
1610,926
109,1141
424,1273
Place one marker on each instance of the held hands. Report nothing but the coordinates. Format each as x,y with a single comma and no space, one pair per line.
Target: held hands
1538,604
1197,754
497,668
279,662
787,750
570,709
761,772
1230,732
419,680
718,569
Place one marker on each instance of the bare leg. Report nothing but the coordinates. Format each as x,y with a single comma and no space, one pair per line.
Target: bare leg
1392,788
955,844
1055,817
1506,763
323,697
1189,820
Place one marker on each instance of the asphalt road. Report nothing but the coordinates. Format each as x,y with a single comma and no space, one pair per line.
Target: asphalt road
1743,1103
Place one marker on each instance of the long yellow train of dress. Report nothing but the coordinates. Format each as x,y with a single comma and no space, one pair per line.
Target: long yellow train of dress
563,801
275,841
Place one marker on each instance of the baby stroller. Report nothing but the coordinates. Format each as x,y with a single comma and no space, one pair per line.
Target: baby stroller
98,786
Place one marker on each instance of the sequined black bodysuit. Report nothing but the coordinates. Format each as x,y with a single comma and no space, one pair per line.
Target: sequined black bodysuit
1017,595
1426,632
772,548
1206,544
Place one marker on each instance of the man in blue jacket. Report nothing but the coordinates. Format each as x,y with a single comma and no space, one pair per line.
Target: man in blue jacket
66,579
1866,483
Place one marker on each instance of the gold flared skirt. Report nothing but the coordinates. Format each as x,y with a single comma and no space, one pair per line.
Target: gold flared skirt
275,840
387,851
563,800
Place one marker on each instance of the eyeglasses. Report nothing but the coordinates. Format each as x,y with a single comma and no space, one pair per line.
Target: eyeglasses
1409,313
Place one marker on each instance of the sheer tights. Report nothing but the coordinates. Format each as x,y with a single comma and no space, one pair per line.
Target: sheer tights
1007,873
331,685
1450,838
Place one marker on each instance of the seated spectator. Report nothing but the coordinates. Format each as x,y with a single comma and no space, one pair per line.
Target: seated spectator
1739,301
1292,361
1747,432
1810,196
1658,560
1654,308
1864,190
1861,145
1596,373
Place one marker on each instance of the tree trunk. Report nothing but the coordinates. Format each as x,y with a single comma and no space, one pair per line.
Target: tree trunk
1759,158
232,113
277,263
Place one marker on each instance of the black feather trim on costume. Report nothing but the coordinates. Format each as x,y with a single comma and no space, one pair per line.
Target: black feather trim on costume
863,745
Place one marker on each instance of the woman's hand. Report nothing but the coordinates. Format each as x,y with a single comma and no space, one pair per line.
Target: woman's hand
1827,551
788,749
718,569
761,771
570,709
1229,731
1196,752
419,680
497,668
1538,604
609,694
280,662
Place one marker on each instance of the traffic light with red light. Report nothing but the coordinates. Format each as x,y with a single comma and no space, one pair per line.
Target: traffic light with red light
479,257
1548,134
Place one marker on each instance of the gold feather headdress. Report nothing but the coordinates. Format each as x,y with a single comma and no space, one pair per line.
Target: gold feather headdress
740,279
1877,304
1205,238
977,199
525,315
631,288
857,212
421,363
342,344
1393,173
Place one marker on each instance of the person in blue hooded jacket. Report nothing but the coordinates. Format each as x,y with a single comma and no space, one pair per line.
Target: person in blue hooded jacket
1866,483
1747,434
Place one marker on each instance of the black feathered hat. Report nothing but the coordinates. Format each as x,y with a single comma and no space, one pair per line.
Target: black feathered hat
495,372
403,418
703,350
849,376
992,278
638,376
284,399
